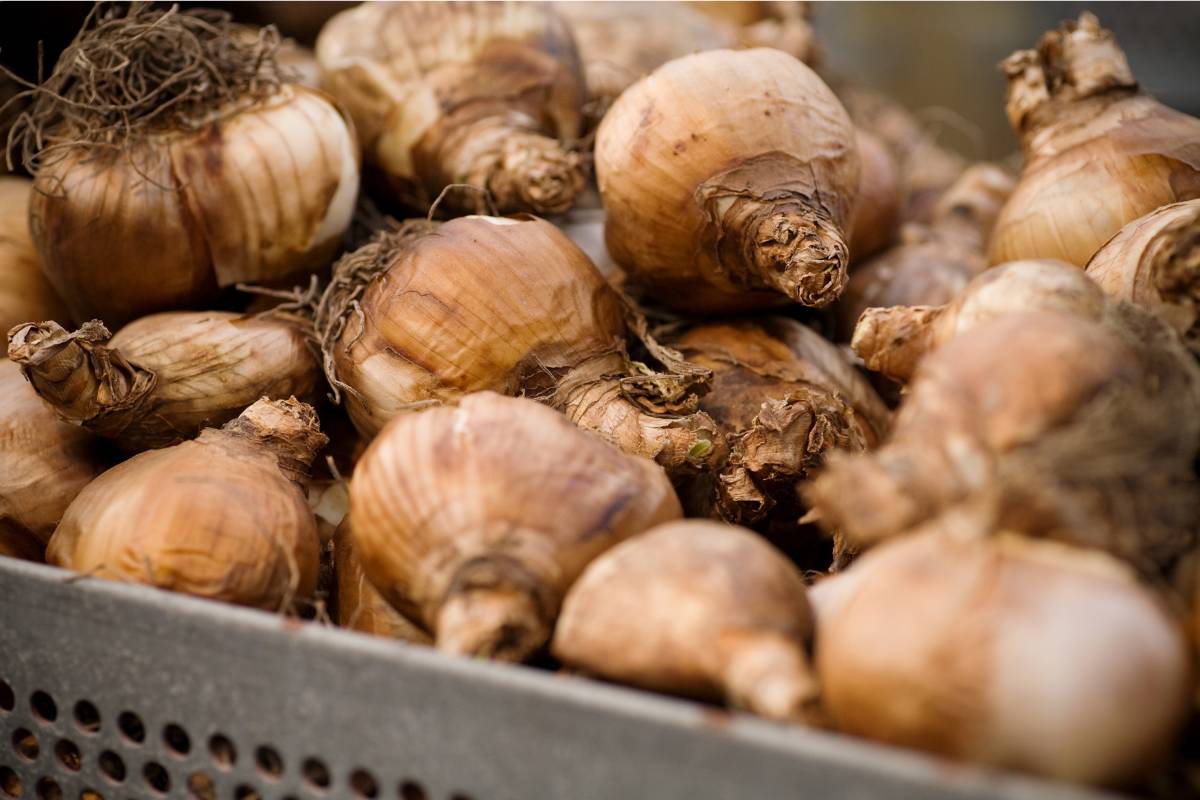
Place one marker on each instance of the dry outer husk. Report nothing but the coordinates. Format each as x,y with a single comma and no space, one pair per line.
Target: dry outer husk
1154,262
489,94
1028,655
25,293
695,608
1044,422
1099,153
161,171
165,377
893,340
360,607
430,312
44,464
931,264
220,517
457,516
784,397
728,178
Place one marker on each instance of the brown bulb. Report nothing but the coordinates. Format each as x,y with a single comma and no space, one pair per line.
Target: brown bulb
220,517
699,609
489,94
728,178
1099,152
163,378
1045,422
1027,655
430,312
457,515
163,172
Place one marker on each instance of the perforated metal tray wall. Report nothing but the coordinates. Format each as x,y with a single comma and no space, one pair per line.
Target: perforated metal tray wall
112,691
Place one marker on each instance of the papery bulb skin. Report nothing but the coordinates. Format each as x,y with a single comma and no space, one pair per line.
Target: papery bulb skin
699,609
1047,422
221,517
490,95
931,263
620,42
44,464
784,397
1154,262
1030,656
165,377
25,293
1099,153
360,607
728,179
178,215
457,515
431,312
876,213
893,340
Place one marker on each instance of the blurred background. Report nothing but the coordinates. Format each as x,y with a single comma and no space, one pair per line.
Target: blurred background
939,58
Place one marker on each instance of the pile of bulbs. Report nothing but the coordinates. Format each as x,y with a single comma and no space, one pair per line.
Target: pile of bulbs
847,432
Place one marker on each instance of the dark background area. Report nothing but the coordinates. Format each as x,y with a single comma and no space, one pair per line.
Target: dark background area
936,57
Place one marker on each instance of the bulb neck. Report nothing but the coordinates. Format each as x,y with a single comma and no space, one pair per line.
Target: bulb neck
1176,270
521,170
1078,61
790,247
968,210
85,382
596,396
893,340
287,429
496,607
769,674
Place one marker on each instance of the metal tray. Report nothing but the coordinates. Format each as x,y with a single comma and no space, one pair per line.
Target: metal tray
117,691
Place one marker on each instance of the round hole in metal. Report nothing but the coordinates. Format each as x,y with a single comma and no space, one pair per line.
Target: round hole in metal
90,794
8,700
177,740
461,796
25,744
223,753
269,762
363,784
87,717
44,707
48,789
157,777
315,773
112,766
411,790
68,755
246,792
201,787
10,783
131,727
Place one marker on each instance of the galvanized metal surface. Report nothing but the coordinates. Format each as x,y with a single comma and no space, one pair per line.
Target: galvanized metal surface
133,693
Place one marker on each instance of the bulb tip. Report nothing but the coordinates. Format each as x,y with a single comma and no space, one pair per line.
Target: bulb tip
803,256
540,176
495,622
289,427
